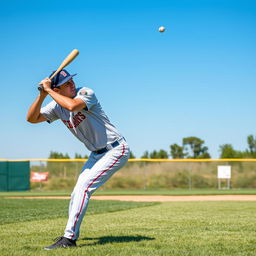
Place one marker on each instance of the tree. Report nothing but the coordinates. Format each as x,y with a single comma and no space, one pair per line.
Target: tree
153,155
205,155
66,156
57,155
132,156
162,154
251,144
78,156
177,151
195,145
227,151
145,155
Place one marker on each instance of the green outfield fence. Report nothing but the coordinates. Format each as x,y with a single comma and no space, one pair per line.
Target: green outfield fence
14,175
137,174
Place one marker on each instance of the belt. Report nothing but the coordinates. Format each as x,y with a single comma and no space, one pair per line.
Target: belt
107,148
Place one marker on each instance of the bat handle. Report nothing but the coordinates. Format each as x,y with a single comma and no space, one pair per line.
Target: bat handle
40,87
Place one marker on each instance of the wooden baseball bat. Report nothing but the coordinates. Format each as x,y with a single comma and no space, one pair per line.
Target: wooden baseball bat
64,63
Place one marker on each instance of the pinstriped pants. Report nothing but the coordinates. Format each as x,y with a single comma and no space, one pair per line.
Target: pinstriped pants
96,171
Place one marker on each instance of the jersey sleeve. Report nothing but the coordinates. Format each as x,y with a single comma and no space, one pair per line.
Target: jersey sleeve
88,96
49,112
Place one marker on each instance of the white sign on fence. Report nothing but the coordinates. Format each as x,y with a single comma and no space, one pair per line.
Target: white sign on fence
224,172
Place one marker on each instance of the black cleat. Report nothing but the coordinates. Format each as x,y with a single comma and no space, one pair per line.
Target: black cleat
61,242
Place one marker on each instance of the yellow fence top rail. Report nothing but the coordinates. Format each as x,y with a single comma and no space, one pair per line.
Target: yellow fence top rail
138,160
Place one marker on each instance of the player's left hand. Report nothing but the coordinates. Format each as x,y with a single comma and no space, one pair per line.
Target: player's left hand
46,84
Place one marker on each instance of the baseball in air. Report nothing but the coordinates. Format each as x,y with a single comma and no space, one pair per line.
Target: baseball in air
161,29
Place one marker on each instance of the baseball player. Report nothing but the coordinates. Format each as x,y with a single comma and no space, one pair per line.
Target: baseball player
81,112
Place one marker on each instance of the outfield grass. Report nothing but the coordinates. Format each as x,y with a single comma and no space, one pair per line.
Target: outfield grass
173,228
178,192
19,210
175,192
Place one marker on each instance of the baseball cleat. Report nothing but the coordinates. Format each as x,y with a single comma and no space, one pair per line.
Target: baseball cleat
61,242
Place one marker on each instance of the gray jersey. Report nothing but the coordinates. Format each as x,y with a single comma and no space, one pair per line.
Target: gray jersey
90,125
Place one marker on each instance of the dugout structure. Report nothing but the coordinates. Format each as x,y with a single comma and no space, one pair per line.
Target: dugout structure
14,175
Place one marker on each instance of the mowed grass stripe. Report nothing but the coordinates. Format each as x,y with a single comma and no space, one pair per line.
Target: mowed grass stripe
173,228
170,192
20,210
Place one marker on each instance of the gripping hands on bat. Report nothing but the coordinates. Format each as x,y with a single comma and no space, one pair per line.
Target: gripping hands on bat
64,63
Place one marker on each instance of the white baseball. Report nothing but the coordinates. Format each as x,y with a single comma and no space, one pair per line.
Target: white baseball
161,29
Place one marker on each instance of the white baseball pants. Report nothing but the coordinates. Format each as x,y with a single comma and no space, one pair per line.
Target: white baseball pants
96,171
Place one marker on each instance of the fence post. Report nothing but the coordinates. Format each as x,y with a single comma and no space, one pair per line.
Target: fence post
76,170
189,176
144,176
41,168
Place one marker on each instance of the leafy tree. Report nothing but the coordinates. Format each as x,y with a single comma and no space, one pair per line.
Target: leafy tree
57,155
252,145
227,151
78,156
66,156
145,155
153,155
205,155
132,156
162,154
177,151
195,145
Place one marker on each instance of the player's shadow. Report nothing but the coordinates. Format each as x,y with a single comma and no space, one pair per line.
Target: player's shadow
113,239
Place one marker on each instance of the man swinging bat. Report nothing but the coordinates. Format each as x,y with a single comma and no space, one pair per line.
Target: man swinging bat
81,112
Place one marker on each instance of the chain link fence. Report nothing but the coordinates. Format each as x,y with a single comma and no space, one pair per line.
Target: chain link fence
151,174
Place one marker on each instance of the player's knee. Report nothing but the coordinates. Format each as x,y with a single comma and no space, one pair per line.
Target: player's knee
88,193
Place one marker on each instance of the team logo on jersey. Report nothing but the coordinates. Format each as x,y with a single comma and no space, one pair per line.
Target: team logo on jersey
77,119
63,73
83,92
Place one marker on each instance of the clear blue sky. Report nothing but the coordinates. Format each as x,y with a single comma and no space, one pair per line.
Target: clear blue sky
196,79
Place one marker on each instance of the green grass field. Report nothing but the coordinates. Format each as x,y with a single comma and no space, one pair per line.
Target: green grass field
174,192
131,228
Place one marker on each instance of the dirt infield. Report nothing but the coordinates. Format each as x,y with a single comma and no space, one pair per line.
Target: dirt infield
138,198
